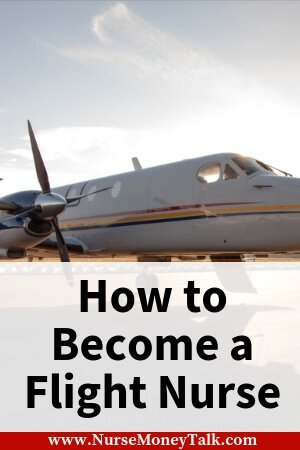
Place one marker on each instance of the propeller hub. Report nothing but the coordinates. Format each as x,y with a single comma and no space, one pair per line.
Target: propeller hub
49,205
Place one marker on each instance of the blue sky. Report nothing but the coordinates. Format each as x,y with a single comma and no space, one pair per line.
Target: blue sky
104,81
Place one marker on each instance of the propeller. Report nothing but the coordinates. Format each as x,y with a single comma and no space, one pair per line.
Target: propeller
47,204
62,248
55,203
38,161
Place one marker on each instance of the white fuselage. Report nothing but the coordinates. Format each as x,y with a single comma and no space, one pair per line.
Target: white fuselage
170,210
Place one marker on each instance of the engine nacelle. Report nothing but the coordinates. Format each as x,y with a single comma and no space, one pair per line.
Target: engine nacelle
19,233
28,218
22,199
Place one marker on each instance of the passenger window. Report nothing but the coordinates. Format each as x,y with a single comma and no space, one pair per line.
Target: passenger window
209,173
229,173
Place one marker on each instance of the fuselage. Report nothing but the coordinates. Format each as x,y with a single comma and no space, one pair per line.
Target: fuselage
206,205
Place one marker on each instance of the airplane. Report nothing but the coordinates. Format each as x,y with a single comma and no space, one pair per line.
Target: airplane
223,206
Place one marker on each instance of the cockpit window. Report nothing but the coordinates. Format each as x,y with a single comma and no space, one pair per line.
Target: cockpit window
230,173
209,173
251,166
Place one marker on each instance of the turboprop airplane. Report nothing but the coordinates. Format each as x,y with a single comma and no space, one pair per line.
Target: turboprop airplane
222,205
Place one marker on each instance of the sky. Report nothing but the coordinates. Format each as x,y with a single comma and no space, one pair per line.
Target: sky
104,81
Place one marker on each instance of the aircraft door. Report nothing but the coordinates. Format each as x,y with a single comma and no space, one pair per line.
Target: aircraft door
220,192
208,185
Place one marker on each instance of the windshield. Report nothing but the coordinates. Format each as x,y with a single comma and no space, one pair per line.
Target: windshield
249,165
252,166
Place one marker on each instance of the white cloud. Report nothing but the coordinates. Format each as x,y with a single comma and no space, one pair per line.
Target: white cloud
72,154
134,46
71,143
3,110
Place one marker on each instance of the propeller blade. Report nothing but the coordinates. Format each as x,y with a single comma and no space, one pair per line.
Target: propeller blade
24,212
7,206
39,163
73,199
62,248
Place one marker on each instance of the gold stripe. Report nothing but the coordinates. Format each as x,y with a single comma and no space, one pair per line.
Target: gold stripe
111,219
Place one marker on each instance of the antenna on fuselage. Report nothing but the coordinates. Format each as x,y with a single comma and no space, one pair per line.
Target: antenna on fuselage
136,164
